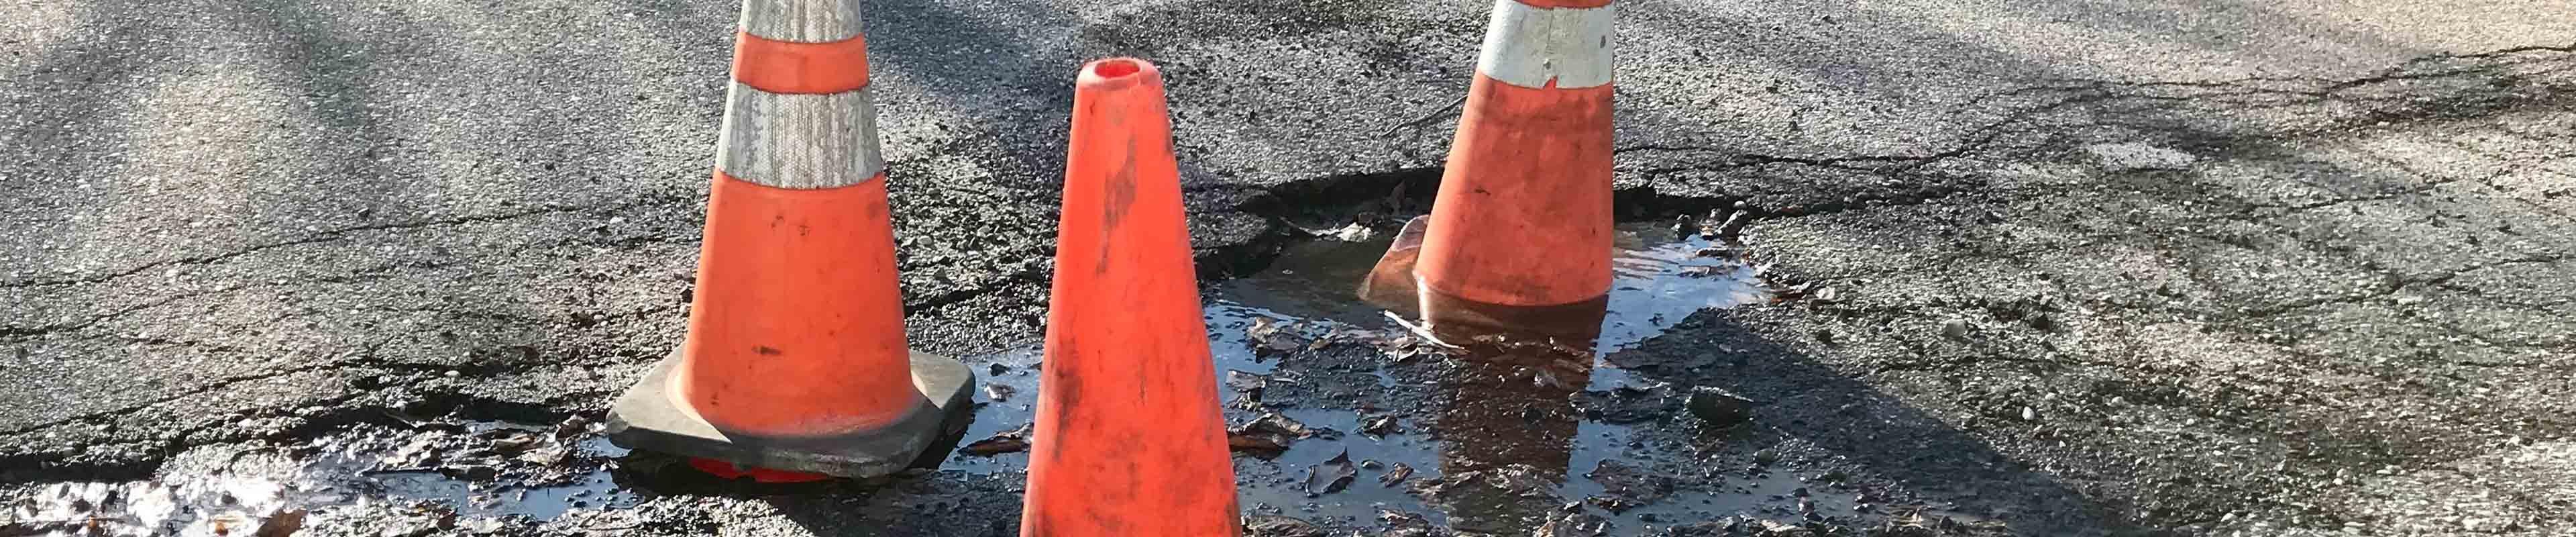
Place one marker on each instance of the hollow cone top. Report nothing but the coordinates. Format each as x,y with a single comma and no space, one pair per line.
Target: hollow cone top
1119,75
1129,439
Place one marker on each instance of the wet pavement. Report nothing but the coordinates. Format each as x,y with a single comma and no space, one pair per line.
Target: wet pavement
1293,341
1358,417
2197,268
447,468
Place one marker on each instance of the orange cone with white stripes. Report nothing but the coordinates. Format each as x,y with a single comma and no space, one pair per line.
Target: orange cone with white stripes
1129,440
795,367
1520,236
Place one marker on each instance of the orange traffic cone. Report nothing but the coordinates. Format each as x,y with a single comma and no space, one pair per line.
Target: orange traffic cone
1520,234
795,366
1129,439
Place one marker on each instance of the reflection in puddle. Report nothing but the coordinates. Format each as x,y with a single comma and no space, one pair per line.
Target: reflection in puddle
1500,446
494,469
1484,434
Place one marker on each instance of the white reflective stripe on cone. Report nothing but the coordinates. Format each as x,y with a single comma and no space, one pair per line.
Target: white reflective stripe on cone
1526,46
802,21
799,140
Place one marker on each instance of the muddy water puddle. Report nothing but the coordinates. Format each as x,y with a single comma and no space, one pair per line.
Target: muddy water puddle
1347,416
1378,427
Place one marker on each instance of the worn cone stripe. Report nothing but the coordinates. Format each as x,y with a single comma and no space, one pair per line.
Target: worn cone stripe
1129,439
791,67
1523,217
799,114
1531,47
800,141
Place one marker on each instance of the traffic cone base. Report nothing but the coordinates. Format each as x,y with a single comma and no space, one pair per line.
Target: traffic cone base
1392,285
728,470
1450,316
653,416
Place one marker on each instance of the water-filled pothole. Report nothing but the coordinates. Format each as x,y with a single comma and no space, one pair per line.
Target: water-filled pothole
1425,435
1432,441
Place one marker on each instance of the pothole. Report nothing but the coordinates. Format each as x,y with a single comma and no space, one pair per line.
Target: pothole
1376,427
1344,415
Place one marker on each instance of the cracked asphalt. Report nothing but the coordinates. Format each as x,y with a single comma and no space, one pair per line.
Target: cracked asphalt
2191,268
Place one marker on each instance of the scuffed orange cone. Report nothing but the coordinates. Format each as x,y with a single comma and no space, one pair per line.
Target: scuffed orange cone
1521,231
795,366
1129,439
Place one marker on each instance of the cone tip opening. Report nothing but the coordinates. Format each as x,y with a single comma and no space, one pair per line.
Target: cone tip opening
1115,73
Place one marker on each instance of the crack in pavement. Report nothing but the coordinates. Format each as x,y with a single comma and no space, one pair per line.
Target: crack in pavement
2017,135
331,235
157,341
217,384
1987,138
370,357
1990,139
66,326
367,274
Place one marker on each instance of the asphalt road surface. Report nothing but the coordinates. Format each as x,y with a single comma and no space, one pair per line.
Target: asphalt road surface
2170,267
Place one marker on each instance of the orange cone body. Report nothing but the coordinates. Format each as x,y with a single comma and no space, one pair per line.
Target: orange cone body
796,326
1129,441
795,357
1523,217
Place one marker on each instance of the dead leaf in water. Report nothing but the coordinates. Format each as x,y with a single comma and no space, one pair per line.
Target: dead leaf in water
1331,475
1250,385
995,446
546,456
1256,444
1395,475
1279,526
1274,422
1261,330
515,442
1379,426
282,524
1243,381
1011,441
1267,436
573,427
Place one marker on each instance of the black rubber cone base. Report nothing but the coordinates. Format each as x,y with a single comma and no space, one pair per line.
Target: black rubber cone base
653,417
